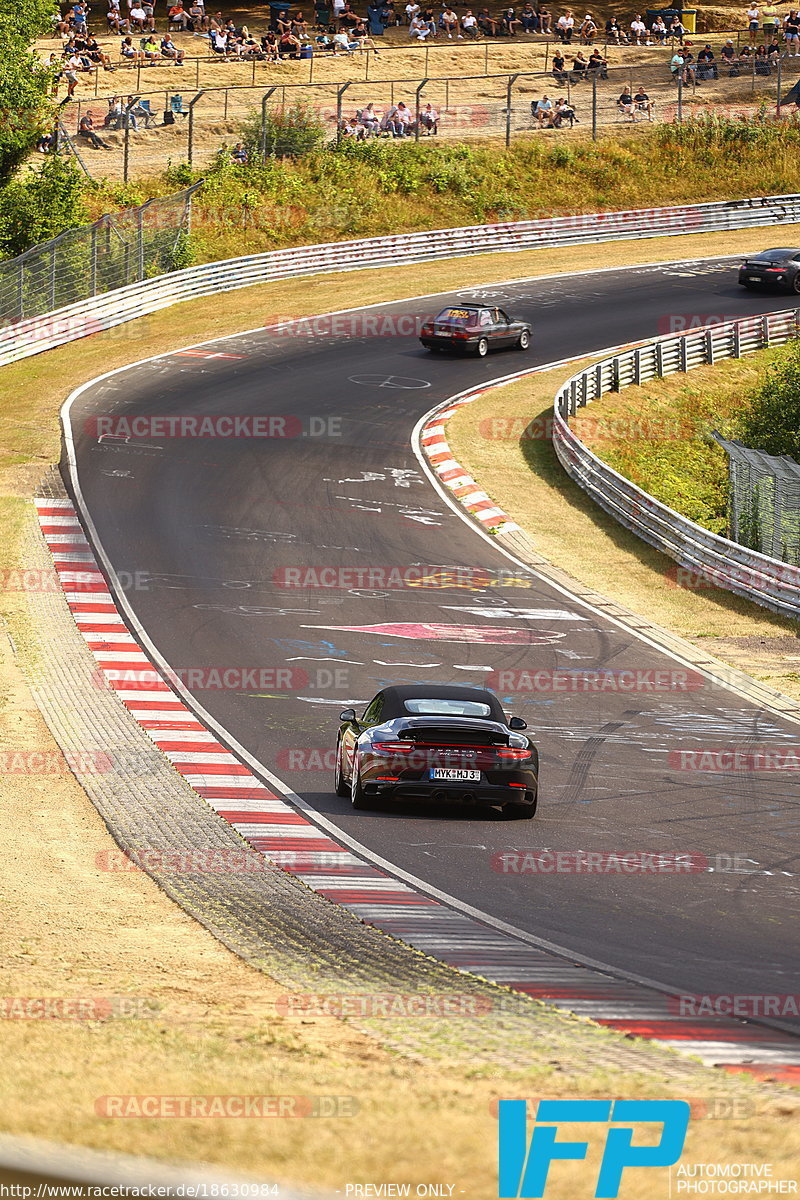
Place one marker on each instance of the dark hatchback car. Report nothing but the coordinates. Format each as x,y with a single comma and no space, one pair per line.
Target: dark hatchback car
772,268
476,329
437,742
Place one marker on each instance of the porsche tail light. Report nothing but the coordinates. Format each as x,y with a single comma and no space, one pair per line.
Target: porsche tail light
517,755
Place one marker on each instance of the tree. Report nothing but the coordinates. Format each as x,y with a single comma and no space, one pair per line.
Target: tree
38,204
26,106
771,420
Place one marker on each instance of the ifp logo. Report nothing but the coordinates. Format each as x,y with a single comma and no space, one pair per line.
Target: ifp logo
523,1167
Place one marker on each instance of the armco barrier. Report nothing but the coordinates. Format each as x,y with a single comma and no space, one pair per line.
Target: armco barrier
124,304
768,582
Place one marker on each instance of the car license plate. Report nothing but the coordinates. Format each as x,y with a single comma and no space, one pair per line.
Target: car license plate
443,333
754,278
454,773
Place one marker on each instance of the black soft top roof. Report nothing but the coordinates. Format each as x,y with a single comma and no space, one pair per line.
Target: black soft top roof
395,697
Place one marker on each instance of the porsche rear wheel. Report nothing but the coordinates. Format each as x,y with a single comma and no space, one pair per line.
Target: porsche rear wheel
340,784
357,797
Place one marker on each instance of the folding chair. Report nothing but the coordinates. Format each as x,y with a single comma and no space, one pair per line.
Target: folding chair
176,106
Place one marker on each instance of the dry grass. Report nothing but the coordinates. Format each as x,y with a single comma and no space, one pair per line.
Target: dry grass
71,930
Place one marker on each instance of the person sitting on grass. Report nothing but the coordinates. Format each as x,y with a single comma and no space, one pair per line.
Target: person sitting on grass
96,55
559,69
597,65
369,118
487,23
288,45
529,17
170,51
448,21
579,67
658,31
418,30
510,22
239,154
614,32
588,30
269,46
86,131
429,119
469,24
545,20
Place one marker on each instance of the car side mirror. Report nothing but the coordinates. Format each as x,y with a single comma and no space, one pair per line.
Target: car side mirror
517,723
348,714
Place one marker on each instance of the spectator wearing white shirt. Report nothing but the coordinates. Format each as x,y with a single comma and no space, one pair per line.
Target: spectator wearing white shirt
412,10
638,30
429,119
418,30
138,16
564,26
449,22
469,23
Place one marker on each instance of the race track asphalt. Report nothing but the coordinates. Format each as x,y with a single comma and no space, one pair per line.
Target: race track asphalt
207,533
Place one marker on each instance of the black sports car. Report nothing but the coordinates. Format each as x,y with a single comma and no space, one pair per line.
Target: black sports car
475,327
774,268
437,742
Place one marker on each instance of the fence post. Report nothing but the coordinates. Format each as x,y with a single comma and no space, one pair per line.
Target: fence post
263,142
253,79
427,50
778,98
680,96
509,85
486,57
139,245
197,72
192,102
594,106
225,107
416,106
21,290
340,91
97,80
93,276
52,278
126,141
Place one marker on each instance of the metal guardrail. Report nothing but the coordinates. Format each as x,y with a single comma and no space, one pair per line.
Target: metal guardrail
56,328
773,584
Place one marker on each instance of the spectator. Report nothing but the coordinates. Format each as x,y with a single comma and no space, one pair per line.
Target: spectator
529,18
96,55
219,42
448,21
597,65
138,17
543,110
129,52
642,102
469,24
116,111
370,119
588,30
769,19
728,52
676,30
114,18
178,16
658,31
579,67
412,10
269,46
752,19
86,131
562,111
151,48
487,23
559,68
419,29
348,18
614,32
625,102
299,26
360,38
638,30
676,65
337,10
79,17
545,20
510,22
239,153
429,119
71,76
197,15
707,63
397,120
288,45
564,27
149,13
791,31
341,43
774,51
689,66
170,51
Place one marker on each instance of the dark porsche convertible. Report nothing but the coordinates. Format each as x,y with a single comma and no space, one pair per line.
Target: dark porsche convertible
437,742
476,328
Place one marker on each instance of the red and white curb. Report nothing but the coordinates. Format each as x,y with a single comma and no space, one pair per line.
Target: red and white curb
271,826
453,475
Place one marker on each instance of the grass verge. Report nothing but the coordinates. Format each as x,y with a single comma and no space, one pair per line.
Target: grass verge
72,930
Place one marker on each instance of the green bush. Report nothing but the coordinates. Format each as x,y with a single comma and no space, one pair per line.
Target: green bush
290,132
771,419
40,203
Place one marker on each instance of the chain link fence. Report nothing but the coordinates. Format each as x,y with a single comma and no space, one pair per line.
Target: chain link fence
193,125
763,501
121,248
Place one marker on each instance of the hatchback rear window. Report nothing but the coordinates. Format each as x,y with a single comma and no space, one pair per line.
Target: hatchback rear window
448,708
458,316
